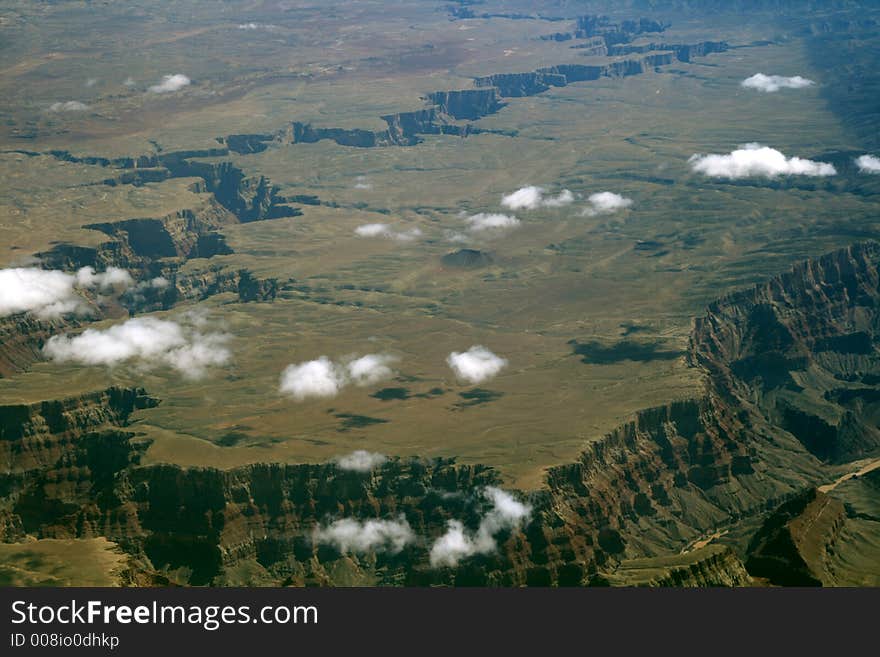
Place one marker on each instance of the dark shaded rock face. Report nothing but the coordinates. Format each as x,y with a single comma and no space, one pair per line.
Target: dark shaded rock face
681,52
820,319
156,247
467,259
22,337
788,550
648,488
469,104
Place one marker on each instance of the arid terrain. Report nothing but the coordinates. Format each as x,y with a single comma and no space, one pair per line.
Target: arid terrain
466,293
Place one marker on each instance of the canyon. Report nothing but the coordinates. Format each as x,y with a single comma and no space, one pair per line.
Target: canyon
617,516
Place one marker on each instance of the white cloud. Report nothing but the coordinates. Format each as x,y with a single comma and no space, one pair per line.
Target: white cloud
605,203
485,222
507,513
68,106
321,378
129,81
384,230
363,183
256,26
456,237
370,369
315,378
352,535
360,461
757,160
145,342
170,83
44,293
533,197
372,230
453,546
51,293
91,82
868,164
137,294
475,365
773,83
113,277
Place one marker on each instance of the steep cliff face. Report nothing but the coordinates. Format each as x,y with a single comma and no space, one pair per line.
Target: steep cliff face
56,452
161,285
73,473
793,544
470,104
511,85
22,336
714,565
681,52
248,198
183,234
804,347
199,285
155,248
663,481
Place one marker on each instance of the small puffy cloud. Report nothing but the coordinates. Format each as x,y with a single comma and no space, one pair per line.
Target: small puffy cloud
605,203
363,183
533,197
456,237
352,535
773,83
384,230
372,230
452,547
507,513
360,461
315,378
322,378
490,222
138,294
475,365
51,293
68,106
170,83
370,369
755,160
91,82
144,342
256,26
868,164
129,81
113,277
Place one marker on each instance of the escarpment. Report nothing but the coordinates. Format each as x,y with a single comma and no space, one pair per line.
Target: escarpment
714,565
175,287
22,337
803,345
681,52
512,85
183,234
43,446
623,513
153,249
792,546
249,198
